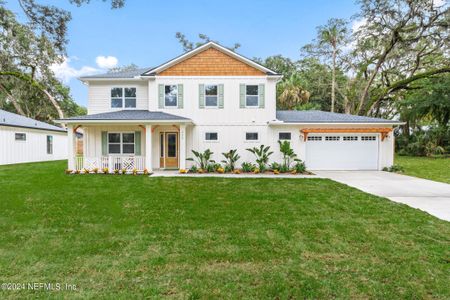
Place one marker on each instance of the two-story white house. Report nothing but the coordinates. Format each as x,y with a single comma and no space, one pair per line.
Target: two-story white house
212,97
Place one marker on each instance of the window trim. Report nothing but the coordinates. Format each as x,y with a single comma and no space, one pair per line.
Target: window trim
123,97
20,140
210,141
174,106
257,95
51,144
290,136
251,141
121,143
217,95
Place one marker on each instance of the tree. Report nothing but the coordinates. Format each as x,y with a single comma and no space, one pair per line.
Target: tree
125,68
401,42
292,93
280,64
329,42
190,45
28,51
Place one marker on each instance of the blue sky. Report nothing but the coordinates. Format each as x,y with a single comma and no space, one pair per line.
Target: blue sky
143,32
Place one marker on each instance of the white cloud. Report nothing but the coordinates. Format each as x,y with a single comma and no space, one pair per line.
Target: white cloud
65,72
106,62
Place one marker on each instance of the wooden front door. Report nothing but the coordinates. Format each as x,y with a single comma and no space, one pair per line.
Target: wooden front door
169,150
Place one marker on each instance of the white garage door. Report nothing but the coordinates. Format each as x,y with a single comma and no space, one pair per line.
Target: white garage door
342,152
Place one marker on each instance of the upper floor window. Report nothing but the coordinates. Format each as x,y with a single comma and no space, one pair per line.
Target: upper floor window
211,95
20,136
170,96
123,97
49,144
251,96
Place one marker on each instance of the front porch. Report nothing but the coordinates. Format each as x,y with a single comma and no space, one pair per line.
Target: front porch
129,148
128,145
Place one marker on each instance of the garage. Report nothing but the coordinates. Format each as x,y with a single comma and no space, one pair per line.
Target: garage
342,151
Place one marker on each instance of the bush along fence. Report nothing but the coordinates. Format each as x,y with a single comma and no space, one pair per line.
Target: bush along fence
107,171
290,164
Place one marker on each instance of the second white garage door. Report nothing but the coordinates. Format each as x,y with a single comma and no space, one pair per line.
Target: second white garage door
342,152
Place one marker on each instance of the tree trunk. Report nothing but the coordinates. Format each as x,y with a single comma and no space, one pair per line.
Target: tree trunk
55,103
333,81
13,100
381,59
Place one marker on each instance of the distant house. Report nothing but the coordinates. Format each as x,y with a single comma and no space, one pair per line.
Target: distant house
24,139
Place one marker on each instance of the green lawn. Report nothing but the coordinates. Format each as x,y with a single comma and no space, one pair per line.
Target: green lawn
127,237
437,169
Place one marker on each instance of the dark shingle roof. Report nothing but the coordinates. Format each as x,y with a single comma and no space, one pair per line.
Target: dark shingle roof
317,116
125,74
15,120
130,115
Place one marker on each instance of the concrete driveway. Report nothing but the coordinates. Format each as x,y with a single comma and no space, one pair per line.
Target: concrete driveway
430,196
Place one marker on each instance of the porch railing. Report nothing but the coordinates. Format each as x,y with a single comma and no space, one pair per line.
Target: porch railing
111,162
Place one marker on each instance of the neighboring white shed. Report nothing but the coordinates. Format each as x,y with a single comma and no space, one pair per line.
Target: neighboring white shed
24,139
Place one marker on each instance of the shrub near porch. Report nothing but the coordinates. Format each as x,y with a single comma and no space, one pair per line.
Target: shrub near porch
137,236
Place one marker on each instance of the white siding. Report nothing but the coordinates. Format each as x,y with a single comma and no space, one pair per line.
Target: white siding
99,95
33,149
230,114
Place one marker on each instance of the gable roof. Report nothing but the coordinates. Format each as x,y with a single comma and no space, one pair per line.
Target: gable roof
203,47
146,72
14,120
127,115
317,116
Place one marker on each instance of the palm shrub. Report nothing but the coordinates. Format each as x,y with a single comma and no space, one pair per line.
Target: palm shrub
262,156
231,157
299,166
275,166
202,159
289,155
247,167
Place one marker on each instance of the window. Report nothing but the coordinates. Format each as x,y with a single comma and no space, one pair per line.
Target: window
170,96
211,136
211,95
123,97
251,136
284,135
49,144
130,97
20,136
368,138
121,143
128,143
332,138
314,138
350,138
251,96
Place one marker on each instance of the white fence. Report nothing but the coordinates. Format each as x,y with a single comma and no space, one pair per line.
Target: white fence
111,162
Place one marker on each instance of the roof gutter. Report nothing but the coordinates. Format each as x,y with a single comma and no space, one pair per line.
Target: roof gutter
129,122
281,123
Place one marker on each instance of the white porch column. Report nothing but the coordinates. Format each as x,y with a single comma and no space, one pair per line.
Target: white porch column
70,147
148,147
183,146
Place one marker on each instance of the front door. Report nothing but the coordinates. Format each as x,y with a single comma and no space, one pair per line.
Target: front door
169,150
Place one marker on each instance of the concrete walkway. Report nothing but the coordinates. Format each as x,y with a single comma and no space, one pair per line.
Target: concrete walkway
430,196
